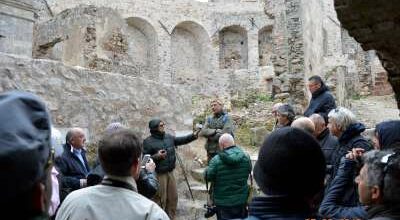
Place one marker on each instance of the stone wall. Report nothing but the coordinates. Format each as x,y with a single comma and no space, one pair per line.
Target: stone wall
333,54
92,99
375,25
187,41
16,26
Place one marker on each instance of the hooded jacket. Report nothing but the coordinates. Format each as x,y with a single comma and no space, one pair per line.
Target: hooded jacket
351,138
229,171
388,134
322,102
163,141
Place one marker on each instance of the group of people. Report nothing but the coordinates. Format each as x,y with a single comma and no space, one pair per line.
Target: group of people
317,166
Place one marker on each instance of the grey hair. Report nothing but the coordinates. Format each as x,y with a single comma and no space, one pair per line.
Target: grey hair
342,117
389,179
287,110
115,126
226,138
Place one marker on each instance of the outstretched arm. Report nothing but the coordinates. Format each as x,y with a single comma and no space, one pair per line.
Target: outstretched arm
331,204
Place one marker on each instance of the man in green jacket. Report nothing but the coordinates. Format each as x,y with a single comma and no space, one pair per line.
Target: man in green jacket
228,171
161,147
216,125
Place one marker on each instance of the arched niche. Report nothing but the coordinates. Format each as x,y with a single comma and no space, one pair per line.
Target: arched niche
189,52
265,49
142,44
233,49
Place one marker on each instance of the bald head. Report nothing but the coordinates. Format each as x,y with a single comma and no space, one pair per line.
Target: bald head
75,137
304,124
319,123
226,140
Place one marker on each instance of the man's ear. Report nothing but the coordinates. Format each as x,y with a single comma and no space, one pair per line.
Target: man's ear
376,193
135,169
39,198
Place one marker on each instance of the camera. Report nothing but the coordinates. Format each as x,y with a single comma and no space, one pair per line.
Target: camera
145,159
210,210
199,126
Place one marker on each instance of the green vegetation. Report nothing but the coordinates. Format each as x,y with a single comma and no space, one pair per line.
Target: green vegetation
244,100
356,96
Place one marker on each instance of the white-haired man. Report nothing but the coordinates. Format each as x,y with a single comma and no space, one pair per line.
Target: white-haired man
343,125
228,171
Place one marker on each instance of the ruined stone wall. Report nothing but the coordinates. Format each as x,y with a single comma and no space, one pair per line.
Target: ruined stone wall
333,54
16,25
187,42
92,99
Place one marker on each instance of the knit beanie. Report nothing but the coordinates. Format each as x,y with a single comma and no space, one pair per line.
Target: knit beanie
290,162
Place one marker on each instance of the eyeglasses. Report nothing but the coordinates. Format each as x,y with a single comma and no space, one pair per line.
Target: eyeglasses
161,125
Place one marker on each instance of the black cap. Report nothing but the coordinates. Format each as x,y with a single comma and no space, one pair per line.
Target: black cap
25,144
290,162
154,123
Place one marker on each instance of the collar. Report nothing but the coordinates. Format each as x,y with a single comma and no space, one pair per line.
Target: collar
126,179
72,149
323,134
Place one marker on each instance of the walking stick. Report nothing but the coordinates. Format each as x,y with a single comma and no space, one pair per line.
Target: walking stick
184,173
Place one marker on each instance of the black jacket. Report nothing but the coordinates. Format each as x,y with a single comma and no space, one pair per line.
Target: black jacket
328,144
147,183
351,138
279,208
331,206
322,102
156,142
71,168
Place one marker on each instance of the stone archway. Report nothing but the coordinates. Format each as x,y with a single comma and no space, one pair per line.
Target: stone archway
189,52
142,46
233,49
265,46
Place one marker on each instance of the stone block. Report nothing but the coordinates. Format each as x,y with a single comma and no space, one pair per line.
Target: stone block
16,27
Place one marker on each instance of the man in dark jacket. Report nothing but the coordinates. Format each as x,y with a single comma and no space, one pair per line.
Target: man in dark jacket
343,125
327,141
290,171
229,171
72,164
162,148
216,125
378,186
322,101
147,183
25,156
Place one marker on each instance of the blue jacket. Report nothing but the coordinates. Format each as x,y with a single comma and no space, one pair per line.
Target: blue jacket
322,102
71,168
332,204
350,139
